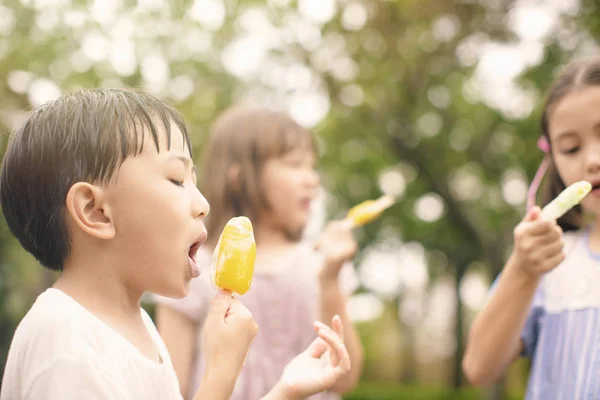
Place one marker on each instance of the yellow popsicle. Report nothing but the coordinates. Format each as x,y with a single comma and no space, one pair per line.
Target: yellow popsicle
233,258
369,210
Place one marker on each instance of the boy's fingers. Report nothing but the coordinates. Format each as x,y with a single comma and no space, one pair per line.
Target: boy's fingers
221,303
317,348
338,326
336,346
319,325
337,350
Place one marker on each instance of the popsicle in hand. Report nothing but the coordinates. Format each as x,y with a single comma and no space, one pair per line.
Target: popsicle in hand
369,210
566,200
233,259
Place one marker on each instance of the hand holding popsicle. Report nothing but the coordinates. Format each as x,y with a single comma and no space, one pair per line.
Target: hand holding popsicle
229,328
233,258
227,335
538,245
538,239
337,243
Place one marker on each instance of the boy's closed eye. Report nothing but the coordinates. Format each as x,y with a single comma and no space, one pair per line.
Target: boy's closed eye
176,174
180,182
179,171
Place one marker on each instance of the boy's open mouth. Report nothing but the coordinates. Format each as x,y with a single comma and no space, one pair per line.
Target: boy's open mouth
193,250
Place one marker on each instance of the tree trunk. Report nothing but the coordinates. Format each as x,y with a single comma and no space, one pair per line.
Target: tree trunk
458,329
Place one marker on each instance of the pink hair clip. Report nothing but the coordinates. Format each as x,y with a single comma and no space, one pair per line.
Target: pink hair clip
544,146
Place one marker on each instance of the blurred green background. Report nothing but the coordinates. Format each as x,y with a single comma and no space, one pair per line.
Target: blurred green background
435,102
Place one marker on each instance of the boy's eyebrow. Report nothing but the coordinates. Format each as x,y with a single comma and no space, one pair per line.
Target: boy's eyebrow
187,162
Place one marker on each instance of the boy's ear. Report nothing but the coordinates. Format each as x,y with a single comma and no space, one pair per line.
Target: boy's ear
87,207
233,177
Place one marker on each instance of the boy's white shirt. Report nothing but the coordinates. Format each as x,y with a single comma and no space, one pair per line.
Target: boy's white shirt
62,351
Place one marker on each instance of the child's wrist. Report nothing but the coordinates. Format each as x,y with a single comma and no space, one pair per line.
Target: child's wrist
328,278
518,270
220,381
281,392
330,270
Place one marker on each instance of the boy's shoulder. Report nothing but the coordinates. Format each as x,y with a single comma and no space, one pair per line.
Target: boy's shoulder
55,332
58,327
61,347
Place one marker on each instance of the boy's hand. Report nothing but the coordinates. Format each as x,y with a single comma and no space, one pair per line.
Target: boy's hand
338,246
228,333
538,244
319,366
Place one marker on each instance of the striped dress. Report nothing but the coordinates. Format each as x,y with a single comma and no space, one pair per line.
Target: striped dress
562,331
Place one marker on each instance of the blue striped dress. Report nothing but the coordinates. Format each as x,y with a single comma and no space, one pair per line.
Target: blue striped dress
562,331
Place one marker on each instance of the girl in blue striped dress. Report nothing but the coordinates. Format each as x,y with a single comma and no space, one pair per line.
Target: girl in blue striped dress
546,302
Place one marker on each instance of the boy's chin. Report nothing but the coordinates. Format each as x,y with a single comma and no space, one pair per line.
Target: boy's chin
175,291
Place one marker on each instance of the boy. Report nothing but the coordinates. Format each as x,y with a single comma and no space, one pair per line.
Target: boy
100,185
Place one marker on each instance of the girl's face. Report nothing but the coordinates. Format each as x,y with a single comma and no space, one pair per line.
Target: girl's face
289,184
574,130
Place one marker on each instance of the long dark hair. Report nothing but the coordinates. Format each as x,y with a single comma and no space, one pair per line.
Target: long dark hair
576,76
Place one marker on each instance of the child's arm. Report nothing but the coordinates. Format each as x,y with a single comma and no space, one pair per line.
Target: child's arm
228,333
323,363
495,337
338,246
180,333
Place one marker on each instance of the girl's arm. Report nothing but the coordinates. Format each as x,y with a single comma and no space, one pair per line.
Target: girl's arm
337,245
495,337
333,302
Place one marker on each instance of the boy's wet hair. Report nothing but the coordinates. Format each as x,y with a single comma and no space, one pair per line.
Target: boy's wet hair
575,77
84,136
241,140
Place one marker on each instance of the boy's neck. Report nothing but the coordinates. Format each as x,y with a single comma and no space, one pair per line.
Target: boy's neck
99,290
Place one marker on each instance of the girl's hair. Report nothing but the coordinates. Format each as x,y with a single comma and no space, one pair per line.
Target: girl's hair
577,76
240,142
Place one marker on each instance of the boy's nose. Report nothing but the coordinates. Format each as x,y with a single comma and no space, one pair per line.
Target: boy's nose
200,206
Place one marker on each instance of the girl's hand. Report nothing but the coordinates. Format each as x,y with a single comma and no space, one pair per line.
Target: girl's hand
538,244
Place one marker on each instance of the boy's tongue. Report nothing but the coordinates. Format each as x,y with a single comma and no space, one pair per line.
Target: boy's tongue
194,269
